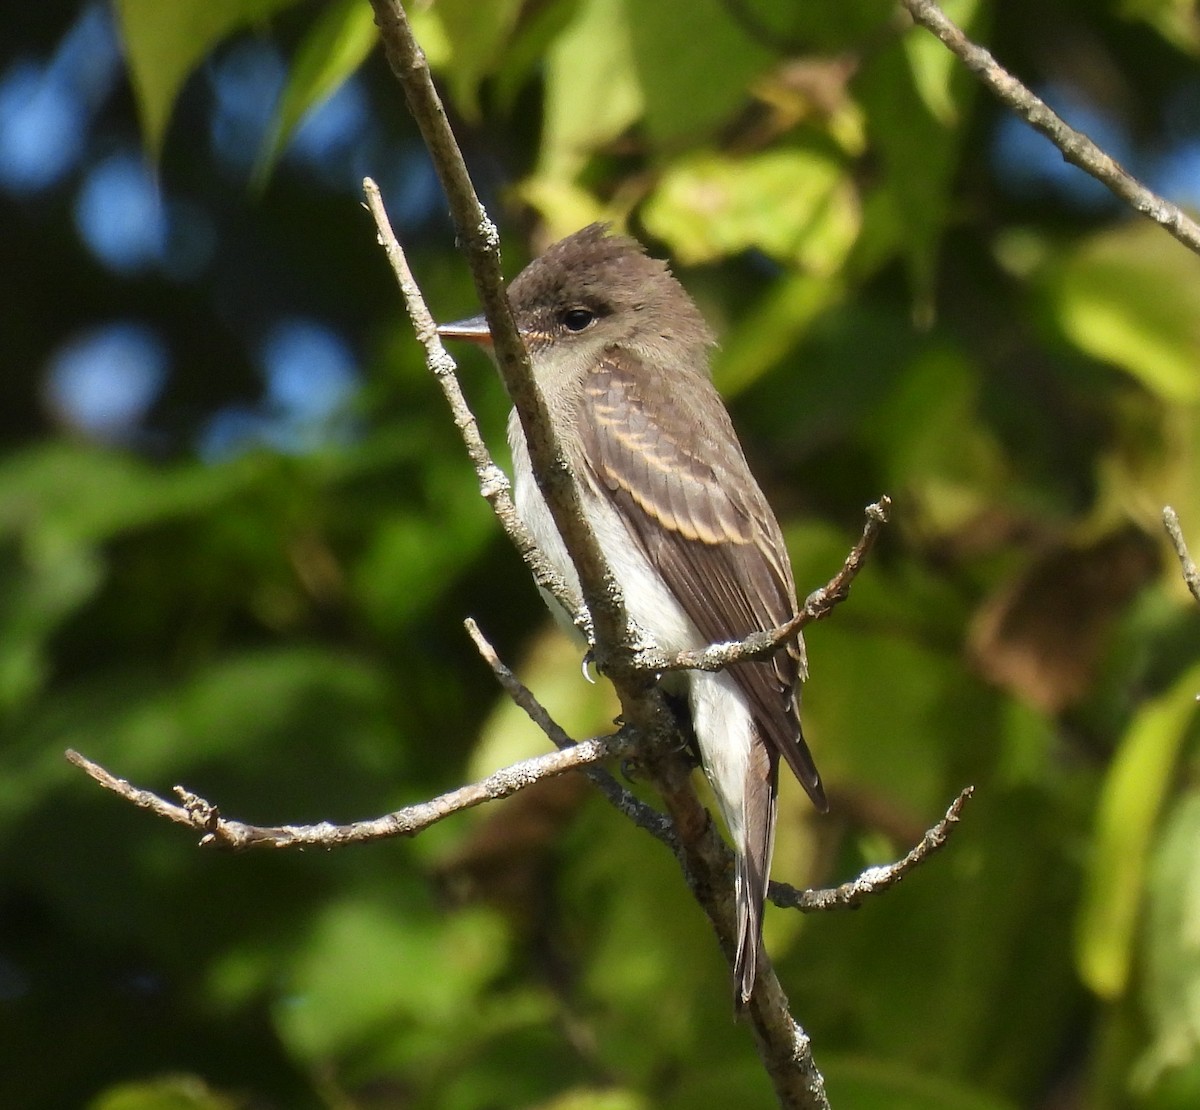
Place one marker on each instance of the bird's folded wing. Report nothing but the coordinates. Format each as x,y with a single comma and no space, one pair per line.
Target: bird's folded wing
692,506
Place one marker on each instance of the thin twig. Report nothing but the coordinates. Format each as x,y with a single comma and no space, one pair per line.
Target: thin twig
875,880
493,482
1076,147
202,815
1190,574
762,645
641,814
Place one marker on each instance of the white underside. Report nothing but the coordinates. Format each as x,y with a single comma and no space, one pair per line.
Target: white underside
720,714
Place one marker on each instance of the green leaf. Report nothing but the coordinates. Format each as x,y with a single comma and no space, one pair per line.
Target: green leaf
175,1092
1172,951
798,206
1128,808
1131,296
937,73
164,42
367,967
477,36
335,46
774,325
883,1085
592,90
919,153
59,493
694,69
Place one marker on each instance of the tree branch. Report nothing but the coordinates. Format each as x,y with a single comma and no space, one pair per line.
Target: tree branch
479,239
875,880
1190,574
197,813
642,815
493,482
1076,147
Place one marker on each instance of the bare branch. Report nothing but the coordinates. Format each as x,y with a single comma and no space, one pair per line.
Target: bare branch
1076,147
202,815
1190,574
642,815
875,880
493,482
477,235
818,605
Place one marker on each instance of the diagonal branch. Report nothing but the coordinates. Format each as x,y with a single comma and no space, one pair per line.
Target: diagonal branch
642,815
1076,147
493,482
875,880
479,239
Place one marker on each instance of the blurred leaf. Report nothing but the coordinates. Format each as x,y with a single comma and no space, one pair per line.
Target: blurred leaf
41,584
1129,804
165,42
693,72
182,1092
334,48
551,668
1171,946
937,73
562,204
607,1099
797,206
775,324
1043,633
59,492
1175,20
367,968
919,153
592,90
1131,296
930,1008
477,36
883,1085
930,440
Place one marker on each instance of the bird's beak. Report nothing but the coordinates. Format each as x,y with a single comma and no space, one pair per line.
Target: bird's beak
473,330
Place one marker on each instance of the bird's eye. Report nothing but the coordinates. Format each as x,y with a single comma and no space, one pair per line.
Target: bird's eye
576,319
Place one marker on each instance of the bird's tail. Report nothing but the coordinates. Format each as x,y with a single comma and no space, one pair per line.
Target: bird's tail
753,850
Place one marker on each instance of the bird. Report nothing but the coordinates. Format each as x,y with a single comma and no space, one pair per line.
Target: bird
620,352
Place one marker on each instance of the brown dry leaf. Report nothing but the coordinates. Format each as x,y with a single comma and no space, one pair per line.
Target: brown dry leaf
1042,635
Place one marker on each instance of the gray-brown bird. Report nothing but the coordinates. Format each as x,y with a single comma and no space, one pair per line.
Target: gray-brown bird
620,352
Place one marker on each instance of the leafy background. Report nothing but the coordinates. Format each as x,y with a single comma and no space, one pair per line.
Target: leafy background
238,538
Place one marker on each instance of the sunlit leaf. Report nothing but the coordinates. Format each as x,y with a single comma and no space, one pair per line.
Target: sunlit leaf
1131,296
1172,945
937,73
336,45
182,1092
592,89
164,43
797,206
477,36
1128,809
368,966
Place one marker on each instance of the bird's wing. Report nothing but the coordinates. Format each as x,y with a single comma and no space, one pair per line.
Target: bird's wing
694,509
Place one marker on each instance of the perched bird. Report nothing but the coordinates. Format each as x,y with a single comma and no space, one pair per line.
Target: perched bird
620,352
